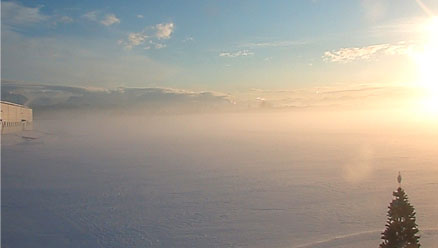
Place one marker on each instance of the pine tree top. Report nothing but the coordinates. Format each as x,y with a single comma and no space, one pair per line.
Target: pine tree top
401,229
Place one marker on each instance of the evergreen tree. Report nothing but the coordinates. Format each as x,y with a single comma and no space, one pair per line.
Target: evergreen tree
401,229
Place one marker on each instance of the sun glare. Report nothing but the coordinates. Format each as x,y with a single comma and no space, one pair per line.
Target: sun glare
428,69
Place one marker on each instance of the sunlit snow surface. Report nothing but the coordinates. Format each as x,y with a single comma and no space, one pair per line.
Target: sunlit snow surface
256,180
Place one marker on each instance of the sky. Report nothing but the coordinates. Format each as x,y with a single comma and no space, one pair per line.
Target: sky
226,46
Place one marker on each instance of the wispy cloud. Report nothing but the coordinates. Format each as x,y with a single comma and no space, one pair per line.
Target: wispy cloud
284,43
188,39
345,55
236,54
109,20
65,19
140,16
97,16
92,15
363,96
15,14
158,45
335,96
407,27
61,59
149,37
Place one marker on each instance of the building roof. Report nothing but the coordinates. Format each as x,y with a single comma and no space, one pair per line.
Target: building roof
14,104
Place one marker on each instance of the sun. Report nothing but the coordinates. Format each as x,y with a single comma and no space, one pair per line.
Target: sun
427,62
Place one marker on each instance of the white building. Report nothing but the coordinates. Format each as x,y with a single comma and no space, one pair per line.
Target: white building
14,117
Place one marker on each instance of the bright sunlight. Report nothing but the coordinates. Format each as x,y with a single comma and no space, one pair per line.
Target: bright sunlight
428,73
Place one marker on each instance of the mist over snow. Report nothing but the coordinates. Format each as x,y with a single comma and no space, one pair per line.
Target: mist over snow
296,179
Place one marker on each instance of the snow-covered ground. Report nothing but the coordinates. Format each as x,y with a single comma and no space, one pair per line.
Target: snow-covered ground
231,180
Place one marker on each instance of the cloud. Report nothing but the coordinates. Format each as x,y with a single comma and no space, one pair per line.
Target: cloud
140,16
92,15
286,43
65,19
164,30
156,99
236,54
135,39
159,46
149,35
15,14
404,27
188,38
67,59
345,55
348,96
156,45
109,20
160,99
96,16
